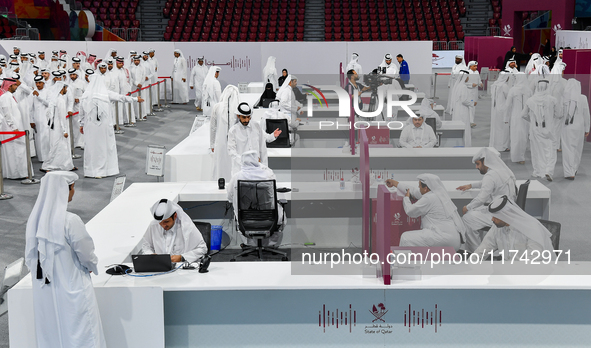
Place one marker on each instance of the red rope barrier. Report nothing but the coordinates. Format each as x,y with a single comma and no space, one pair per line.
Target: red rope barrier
76,113
165,77
18,135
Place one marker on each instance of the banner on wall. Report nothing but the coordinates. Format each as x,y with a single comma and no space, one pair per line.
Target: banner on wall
445,59
574,39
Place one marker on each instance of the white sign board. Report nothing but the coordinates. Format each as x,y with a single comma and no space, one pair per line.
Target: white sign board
155,160
574,39
118,186
445,59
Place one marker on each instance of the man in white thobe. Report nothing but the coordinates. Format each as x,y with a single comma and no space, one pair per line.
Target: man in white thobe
154,64
41,62
426,110
150,79
223,117
100,151
417,135
455,70
441,225
60,153
557,86
541,110
38,112
173,232
198,74
252,169
499,129
518,127
475,83
138,80
180,91
354,64
122,79
59,252
287,100
212,90
463,103
246,136
270,74
75,90
575,129
515,233
14,153
498,180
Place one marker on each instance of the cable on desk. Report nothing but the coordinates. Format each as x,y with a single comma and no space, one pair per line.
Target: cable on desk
152,275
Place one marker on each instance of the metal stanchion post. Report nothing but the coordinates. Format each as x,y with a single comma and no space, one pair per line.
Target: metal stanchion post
435,88
71,136
140,117
29,180
158,99
118,129
171,90
151,101
129,124
165,96
3,195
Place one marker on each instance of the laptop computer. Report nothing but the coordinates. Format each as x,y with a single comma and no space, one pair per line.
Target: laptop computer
151,263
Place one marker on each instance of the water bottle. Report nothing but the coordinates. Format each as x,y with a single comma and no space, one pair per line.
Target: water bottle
342,184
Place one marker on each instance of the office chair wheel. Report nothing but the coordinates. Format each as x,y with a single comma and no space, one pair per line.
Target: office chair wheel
284,258
232,260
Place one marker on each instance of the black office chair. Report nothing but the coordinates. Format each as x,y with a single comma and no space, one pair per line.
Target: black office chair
283,138
433,123
205,229
522,195
554,228
258,216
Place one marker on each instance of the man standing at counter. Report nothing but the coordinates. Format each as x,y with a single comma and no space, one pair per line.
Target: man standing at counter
172,232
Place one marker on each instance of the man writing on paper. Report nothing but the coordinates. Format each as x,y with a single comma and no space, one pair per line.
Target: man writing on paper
498,180
514,229
172,232
440,222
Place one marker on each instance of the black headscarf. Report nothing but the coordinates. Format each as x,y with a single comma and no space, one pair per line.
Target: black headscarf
282,78
268,93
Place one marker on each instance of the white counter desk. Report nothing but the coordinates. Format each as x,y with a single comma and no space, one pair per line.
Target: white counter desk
192,160
249,300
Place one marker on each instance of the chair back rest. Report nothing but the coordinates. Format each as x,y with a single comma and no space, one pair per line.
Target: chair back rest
257,206
554,228
283,138
522,195
205,229
431,122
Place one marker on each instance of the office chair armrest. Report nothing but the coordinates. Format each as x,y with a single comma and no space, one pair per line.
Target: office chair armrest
282,201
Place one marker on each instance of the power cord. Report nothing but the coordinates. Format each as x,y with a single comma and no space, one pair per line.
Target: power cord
152,275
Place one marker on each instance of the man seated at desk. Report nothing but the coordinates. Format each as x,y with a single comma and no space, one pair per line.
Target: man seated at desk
417,135
515,229
173,232
441,224
498,180
252,169
426,110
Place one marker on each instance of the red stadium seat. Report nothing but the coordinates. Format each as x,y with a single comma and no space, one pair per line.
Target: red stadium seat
176,37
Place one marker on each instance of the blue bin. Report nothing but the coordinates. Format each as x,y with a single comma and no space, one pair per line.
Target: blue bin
216,237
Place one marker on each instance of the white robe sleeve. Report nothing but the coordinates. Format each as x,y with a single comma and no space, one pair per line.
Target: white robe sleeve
431,138
121,98
487,186
414,190
420,208
232,146
81,242
405,137
195,244
263,146
213,126
488,243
